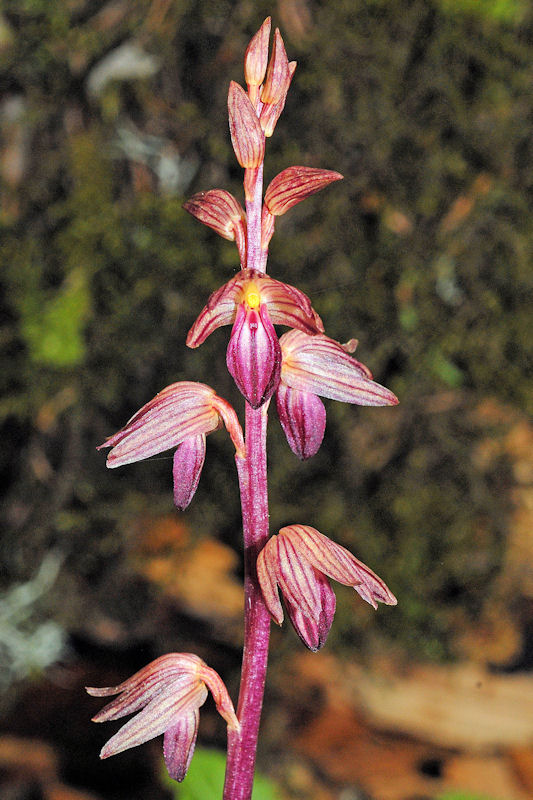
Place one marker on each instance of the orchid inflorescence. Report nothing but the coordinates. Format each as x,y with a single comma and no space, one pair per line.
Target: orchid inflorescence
299,368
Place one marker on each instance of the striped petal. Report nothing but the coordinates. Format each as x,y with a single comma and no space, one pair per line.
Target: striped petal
294,184
296,577
165,667
247,137
138,690
339,564
220,211
219,310
289,306
161,713
271,112
217,209
256,55
181,410
267,576
322,366
278,75
217,687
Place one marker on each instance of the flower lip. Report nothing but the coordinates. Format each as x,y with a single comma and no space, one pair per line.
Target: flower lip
253,356
179,743
186,469
303,418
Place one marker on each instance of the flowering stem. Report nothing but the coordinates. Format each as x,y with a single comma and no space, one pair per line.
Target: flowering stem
254,203
253,486
252,471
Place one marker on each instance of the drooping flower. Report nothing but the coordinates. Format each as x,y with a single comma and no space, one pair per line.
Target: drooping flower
179,416
298,562
253,302
167,694
317,365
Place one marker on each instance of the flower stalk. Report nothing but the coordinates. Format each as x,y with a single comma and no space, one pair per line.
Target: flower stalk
298,368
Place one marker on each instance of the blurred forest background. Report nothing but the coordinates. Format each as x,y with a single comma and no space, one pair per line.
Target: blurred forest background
112,113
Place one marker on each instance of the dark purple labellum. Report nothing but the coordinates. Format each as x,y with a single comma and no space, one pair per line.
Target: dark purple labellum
254,354
303,419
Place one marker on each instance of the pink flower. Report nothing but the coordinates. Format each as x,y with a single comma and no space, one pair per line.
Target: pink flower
253,303
170,690
297,562
179,416
317,365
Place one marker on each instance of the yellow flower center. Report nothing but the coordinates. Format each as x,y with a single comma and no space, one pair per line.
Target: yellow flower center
251,296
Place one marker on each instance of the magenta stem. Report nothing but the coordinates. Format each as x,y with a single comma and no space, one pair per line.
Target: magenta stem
254,499
252,471
254,256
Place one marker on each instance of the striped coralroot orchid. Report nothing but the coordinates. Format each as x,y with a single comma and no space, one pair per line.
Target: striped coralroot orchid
300,367
179,416
167,695
318,365
297,562
253,302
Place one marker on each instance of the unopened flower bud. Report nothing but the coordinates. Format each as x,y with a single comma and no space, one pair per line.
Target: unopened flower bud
256,56
277,75
247,137
271,112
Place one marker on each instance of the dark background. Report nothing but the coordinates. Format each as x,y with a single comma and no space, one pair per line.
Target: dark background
112,114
